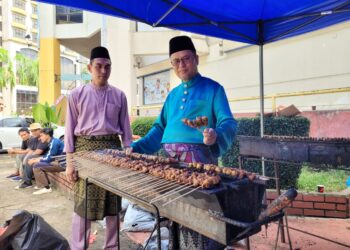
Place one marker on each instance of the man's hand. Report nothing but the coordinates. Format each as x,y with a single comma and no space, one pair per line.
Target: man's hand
128,150
71,173
209,136
33,161
11,151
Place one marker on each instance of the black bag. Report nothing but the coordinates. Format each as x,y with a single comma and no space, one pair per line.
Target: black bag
26,231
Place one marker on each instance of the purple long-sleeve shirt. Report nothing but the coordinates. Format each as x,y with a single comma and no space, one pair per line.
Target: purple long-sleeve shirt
96,111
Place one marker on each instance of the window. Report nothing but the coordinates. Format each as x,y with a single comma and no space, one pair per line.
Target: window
30,53
19,18
21,4
66,15
34,38
34,9
156,87
12,122
19,33
67,68
25,100
35,23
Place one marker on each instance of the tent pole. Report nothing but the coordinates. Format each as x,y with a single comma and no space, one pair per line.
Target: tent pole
261,77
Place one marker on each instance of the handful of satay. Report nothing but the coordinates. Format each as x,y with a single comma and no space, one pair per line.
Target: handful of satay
198,123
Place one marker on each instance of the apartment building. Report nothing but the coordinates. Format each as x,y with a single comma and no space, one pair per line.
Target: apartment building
19,34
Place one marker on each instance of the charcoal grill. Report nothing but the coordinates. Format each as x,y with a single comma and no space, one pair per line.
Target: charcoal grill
298,149
226,213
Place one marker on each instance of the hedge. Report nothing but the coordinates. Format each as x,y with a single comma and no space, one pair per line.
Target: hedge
295,126
141,126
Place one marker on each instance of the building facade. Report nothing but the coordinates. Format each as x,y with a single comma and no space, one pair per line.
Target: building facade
311,71
19,34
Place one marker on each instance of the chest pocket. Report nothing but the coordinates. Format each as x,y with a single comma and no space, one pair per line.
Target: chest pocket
197,108
112,110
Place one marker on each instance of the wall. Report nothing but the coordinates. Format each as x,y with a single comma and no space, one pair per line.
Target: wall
316,204
329,123
317,60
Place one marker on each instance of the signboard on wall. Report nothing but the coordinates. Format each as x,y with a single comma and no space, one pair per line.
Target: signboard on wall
156,87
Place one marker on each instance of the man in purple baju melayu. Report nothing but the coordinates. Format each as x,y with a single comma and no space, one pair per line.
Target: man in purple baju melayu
97,117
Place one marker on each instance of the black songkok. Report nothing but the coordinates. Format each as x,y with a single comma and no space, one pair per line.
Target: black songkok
99,52
179,43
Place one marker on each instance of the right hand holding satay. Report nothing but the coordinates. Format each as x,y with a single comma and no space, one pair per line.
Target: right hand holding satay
209,136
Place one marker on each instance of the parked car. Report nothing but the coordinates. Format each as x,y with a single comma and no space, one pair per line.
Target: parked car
9,127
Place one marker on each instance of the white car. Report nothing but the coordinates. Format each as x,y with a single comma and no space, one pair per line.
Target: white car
9,127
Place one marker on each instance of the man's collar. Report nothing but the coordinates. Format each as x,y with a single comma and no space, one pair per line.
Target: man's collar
104,87
193,81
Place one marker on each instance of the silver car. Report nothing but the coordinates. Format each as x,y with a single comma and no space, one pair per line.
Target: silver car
9,127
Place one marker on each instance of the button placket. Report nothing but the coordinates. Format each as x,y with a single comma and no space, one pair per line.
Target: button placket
183,99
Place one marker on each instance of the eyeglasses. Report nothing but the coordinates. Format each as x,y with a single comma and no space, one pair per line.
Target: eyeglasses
185,60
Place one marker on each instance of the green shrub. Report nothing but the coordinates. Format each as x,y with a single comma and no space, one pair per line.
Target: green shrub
142,125
295,126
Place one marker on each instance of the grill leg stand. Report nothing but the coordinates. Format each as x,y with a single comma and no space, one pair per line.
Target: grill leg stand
240,162
287,228
278,231
247,243
85,213
278,188
119,200
159,239
175,235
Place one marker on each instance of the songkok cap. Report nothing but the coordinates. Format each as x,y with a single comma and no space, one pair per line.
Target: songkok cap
179,43
99,52
34,126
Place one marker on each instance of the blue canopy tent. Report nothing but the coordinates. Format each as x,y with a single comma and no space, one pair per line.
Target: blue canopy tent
249,21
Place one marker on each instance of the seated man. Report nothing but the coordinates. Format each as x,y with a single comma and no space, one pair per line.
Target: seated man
47,163
36,149
20,153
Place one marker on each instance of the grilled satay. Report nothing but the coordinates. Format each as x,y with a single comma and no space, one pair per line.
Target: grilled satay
200,121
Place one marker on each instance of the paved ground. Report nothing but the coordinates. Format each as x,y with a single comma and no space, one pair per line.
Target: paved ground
56,209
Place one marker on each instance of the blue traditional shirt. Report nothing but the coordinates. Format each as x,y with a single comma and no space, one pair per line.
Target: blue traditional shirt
200,96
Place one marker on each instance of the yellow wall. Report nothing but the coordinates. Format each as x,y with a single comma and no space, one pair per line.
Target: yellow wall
49,70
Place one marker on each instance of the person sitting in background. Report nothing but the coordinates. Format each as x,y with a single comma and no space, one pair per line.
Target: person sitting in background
36,149
47,163
20,153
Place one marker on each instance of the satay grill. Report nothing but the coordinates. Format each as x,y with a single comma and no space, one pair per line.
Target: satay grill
226,212
333,151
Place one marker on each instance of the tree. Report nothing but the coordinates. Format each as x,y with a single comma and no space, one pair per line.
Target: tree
7,75
27,70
